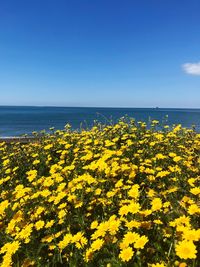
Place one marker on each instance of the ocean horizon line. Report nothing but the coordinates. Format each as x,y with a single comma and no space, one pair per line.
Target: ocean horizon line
107,107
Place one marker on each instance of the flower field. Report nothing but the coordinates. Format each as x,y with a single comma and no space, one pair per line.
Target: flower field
117,195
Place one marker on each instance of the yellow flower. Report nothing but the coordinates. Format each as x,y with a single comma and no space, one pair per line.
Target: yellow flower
151,193
182,220
79,240
94,225
49,224
156,204
32,174
97,244
47,147
26,232
35,162
83,241
195,190
160,156
39,211
88,255
124,210
39,225
193,209
133,224
191,234
3,206
66,240
158,222
162,174
172,154
126,254
140,242
134,192
11,248
134,207
177,158
101,231
77,237
7,260
186,250
129,238
191,181
6,162
47,239
146,212
97,191
62,214
113,226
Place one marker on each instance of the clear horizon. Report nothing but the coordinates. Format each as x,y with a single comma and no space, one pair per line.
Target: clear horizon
115,107
100,53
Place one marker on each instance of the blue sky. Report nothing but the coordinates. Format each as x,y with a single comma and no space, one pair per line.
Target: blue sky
100,53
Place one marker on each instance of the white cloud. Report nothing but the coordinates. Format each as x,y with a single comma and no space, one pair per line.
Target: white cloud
192,68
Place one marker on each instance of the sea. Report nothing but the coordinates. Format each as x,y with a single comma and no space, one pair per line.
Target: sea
16,121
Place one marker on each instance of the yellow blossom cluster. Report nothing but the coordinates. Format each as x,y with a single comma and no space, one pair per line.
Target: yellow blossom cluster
116,195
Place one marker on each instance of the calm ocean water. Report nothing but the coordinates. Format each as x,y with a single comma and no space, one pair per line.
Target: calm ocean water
15,121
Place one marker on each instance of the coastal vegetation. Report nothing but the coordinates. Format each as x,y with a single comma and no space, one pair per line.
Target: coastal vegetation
116,195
